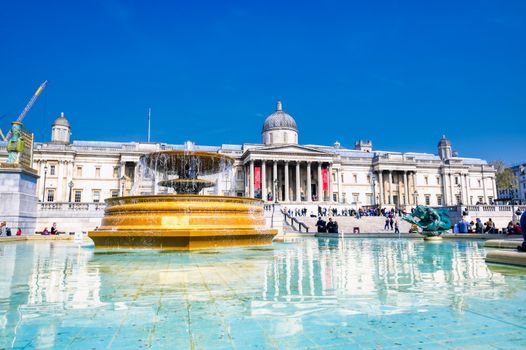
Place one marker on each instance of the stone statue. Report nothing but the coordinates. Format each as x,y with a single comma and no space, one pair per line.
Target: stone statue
15,145
433,222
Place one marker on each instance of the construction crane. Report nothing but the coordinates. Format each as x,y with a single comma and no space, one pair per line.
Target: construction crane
24,112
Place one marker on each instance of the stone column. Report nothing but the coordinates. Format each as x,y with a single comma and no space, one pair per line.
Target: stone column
390,187
298,182
286,181
251,179
264,180
444,190
414,187
274,180
406,189
58,187
339,178
381,180
330,182
451,194
309,183
320,183
494,185
466,182
42,184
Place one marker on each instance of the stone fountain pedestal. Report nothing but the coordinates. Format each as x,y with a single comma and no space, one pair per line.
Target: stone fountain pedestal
18,200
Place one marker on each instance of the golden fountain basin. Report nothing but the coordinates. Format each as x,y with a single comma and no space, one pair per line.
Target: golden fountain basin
182,222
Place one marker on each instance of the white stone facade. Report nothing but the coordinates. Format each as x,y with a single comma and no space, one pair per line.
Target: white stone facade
277,169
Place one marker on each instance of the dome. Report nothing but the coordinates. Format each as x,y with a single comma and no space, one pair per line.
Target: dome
279,120
444,142
61,121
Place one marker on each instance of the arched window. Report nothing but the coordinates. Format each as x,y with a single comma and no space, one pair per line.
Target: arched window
285,137
271,138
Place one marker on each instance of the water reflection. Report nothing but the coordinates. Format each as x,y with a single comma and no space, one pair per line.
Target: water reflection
54,294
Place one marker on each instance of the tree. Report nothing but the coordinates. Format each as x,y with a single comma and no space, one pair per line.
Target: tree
504,177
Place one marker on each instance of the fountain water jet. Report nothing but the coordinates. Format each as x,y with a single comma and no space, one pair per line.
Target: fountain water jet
186,220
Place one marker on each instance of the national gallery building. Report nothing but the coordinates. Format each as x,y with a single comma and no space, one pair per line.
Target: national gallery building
278,169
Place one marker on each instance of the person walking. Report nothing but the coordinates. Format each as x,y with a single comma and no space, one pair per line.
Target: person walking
391,222
397,230
386,226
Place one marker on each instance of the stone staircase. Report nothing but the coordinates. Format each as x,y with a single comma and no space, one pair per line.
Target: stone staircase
346,224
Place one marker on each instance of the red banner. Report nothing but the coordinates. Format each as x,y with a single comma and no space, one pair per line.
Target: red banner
257,178
325,175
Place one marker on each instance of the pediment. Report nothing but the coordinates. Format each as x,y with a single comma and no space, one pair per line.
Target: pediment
289,149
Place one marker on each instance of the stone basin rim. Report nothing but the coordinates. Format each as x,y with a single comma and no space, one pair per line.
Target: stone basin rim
182,197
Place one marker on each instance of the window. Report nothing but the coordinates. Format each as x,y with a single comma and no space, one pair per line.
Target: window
335,197
114,193
438,180
115,172
79,171
78,196
456,180
439,199
239,174
426,180
471,200
51,170
355,197
50,195
96,196
428,199
271,138
480,183
481,199
355,178
97,171
333,177
368,179
342,178
369,199
459,199
344,199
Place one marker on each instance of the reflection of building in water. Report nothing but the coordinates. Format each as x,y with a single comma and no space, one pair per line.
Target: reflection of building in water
375,275
41,279
60,278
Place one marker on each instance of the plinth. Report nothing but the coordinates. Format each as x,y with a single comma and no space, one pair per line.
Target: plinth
18,200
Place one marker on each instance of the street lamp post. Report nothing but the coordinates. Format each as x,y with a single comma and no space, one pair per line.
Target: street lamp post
122,178
70,185
460,194
275,190
374,191
44,187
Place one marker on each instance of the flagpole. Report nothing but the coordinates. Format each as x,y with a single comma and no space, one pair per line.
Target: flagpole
149,117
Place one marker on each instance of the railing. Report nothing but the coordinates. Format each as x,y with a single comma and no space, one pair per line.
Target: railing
292,221
487,208
71,206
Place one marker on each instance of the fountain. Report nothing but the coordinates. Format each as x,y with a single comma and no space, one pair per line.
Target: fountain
185,220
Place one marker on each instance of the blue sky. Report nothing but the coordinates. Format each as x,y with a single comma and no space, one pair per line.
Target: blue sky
400,73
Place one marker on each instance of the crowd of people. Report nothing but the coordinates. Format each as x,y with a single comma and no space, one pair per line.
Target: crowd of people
338,211
463,226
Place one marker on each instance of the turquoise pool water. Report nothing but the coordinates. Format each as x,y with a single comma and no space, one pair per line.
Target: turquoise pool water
309,294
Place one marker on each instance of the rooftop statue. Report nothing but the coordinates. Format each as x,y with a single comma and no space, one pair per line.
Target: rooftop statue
15,145
433,222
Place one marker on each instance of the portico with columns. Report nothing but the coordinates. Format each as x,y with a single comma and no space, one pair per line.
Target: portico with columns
290,174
